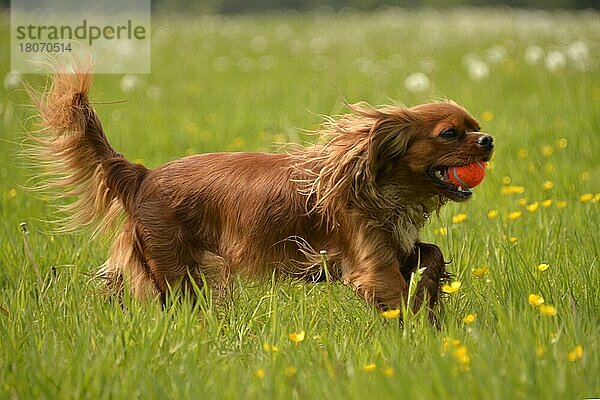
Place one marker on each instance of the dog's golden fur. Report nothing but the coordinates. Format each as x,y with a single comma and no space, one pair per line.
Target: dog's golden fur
362,195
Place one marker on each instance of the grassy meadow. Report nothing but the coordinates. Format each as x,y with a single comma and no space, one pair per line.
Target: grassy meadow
524,322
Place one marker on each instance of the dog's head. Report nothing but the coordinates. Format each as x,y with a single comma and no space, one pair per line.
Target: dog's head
379,157
414,148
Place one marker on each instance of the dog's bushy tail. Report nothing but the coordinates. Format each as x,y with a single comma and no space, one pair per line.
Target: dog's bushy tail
75,157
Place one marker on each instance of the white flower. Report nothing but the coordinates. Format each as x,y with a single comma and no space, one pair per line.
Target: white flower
555,61
266,62
417,82
12,80
496,54
318,45
478,70
283,32
221,64
246,64
258,44
129,83
579,53
427,65
154,92
534,55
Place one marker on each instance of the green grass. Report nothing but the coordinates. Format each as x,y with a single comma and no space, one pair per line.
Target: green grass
64,340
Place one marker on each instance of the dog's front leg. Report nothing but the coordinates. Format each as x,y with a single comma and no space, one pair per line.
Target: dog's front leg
373,271
429,257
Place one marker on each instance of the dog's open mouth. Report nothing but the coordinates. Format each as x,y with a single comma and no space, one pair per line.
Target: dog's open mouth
440,177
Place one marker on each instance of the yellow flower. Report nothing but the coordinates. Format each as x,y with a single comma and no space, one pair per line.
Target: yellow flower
535,300
391,314
290,371
452,287
542,267
492,214
533,207
480,272
547,203
523,153
584,198
514,215
562,143
549,167
547,310
513,239
442,231
369,367
540,350
547,150
561,204
506,180
12,193
596,198
461,354
576,353
487,116
547,185
469,318
388,371
260,373
584,176
522,201
270,348
513,190
297,337
458,218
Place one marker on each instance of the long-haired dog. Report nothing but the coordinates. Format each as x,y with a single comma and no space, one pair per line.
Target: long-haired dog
358,199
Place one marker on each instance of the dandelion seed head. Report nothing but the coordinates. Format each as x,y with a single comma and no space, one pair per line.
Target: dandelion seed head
12,80
417,82
478,70
534,55
555,61
129,83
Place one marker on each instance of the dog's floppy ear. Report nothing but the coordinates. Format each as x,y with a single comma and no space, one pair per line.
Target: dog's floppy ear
389,137
358,146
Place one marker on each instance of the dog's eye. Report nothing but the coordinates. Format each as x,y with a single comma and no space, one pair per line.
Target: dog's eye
449,134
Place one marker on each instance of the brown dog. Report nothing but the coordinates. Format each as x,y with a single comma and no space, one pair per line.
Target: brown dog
362,196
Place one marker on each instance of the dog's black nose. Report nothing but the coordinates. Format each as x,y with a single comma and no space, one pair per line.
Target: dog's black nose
486,141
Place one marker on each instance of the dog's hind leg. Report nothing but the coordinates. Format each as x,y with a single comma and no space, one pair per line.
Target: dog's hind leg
127,266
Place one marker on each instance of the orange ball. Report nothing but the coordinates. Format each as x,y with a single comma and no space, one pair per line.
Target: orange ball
467,176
